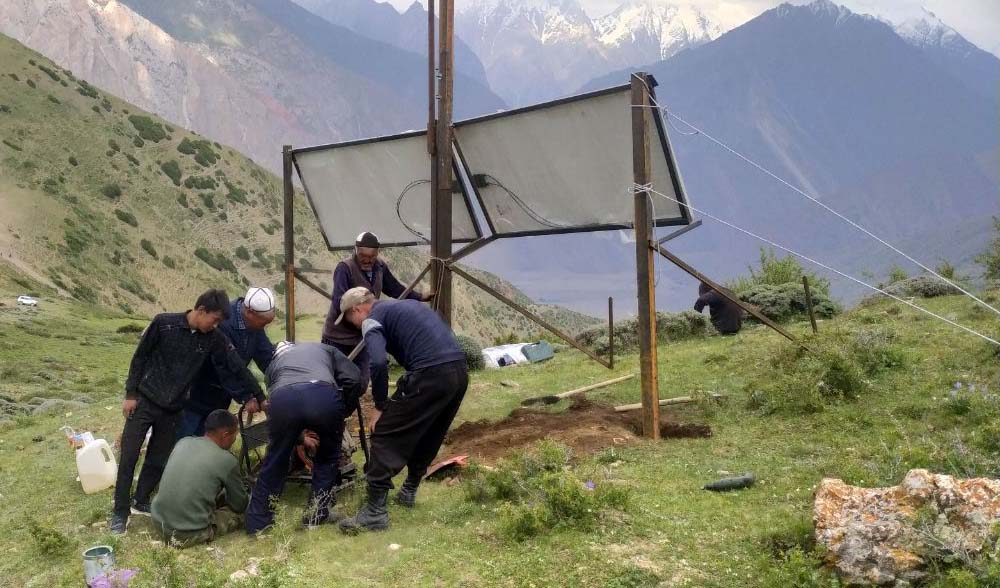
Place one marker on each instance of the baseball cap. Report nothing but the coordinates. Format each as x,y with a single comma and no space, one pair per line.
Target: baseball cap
352,298
367,239
259,299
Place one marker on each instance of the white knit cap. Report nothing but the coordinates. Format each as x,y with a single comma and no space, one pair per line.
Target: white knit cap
259,299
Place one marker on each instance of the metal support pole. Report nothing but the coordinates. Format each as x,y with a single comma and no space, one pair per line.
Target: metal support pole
642,176
809,304
286,156
611,333
442,179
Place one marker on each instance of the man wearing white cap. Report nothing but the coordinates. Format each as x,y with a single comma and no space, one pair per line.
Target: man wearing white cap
363,269
248,318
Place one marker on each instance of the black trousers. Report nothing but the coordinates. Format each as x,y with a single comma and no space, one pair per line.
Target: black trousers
414,424
165,425
294,408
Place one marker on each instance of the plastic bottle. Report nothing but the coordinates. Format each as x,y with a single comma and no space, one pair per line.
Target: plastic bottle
97,466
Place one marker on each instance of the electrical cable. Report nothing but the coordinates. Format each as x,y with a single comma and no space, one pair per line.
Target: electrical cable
399,201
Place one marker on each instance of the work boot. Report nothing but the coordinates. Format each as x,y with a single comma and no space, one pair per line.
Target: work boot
407,495
140,508
373,516
118,523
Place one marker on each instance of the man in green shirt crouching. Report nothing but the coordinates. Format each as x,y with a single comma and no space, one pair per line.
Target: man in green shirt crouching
201,493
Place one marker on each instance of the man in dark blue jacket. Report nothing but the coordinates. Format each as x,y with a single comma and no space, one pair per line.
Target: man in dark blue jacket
171,352
248,317
409,428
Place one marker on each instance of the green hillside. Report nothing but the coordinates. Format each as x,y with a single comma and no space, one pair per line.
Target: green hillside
115,207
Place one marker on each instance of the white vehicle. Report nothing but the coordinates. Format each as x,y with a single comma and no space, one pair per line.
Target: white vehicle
27,301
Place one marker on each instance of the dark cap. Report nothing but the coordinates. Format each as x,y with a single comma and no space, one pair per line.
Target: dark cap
367,239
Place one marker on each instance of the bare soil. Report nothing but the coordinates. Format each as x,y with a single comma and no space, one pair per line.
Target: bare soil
585,426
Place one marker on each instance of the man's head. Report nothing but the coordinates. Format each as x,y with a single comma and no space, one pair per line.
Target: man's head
210,309
258,308
221,427
355,305
366,250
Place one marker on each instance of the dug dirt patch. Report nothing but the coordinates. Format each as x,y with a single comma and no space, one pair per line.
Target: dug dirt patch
585,426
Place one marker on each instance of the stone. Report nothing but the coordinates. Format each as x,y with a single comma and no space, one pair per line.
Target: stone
509,384
54,405
883,536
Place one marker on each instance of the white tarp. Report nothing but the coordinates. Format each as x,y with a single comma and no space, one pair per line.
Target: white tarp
566,165
503,353
355,187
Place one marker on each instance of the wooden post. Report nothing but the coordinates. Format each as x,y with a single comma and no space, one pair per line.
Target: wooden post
809,304
642,175
611,333
441,180
431,80
286,156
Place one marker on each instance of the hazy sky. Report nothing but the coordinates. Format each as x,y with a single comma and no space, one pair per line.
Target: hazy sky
977,20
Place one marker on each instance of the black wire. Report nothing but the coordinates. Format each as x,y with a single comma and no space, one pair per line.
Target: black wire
399,201
524,206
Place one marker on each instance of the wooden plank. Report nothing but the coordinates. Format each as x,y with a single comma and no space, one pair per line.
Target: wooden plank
289,201
809,304
313,286
528,314
725,293
667,402
553,398
642,175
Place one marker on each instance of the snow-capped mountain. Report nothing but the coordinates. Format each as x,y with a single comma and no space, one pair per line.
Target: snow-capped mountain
535,50
644,31
928,30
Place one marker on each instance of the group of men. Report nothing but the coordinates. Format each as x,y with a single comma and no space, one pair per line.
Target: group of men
190,366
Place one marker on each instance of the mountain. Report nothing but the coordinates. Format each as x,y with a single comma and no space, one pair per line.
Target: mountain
840,105
949,50
122,209
382,22
536,50
252,73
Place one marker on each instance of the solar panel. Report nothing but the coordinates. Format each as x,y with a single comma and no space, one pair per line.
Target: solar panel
360,185
566,166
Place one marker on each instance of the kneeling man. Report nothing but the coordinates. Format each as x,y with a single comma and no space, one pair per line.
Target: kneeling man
201,493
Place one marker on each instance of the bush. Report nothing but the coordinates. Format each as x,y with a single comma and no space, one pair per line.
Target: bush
173,171
473,352
130,328
113,145
182,199
17,147
52,74
112,191
897,274
147,246
788,301
242,253
990,258
924,286
47,540
85,89
236,194
202,150
208,201
800,382
536,490
31,84
669,327
53,99
777,271
148,129
169,262
216,260
73,161
126,217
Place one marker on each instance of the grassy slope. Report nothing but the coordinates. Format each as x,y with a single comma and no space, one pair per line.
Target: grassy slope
60,228
687,536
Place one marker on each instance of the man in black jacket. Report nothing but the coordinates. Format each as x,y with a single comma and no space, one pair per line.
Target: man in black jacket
172,350
727,317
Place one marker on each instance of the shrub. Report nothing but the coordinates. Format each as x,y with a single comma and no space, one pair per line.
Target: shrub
216,260
173,171
208,200
130,328
182,199
147,246
31,83
897,274
202,150
112,191
47,540
669,327
632,576
73,161
148,129
990,258
132,159
96,109
236,194
84,293
126,217
924,286
53,99
279,288
473,352
536,490
776,271
113,145
14,77
85,89
787,301
52,74
200,183
12,145
169,262
800,382
198,212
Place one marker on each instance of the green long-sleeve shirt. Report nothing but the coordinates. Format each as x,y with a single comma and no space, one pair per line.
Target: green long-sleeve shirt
196,472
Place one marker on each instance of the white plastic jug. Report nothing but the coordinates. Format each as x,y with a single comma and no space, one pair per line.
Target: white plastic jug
97,466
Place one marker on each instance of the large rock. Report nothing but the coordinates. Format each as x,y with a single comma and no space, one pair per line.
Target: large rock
883,536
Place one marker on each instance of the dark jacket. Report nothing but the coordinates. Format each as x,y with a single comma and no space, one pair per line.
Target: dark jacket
170,355
210,392
726,316
314,362
413,333
347,275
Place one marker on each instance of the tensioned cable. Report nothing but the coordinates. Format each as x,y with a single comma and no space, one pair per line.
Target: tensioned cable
635,188
697,131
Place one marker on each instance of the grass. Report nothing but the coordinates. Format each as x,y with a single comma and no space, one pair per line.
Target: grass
671,533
